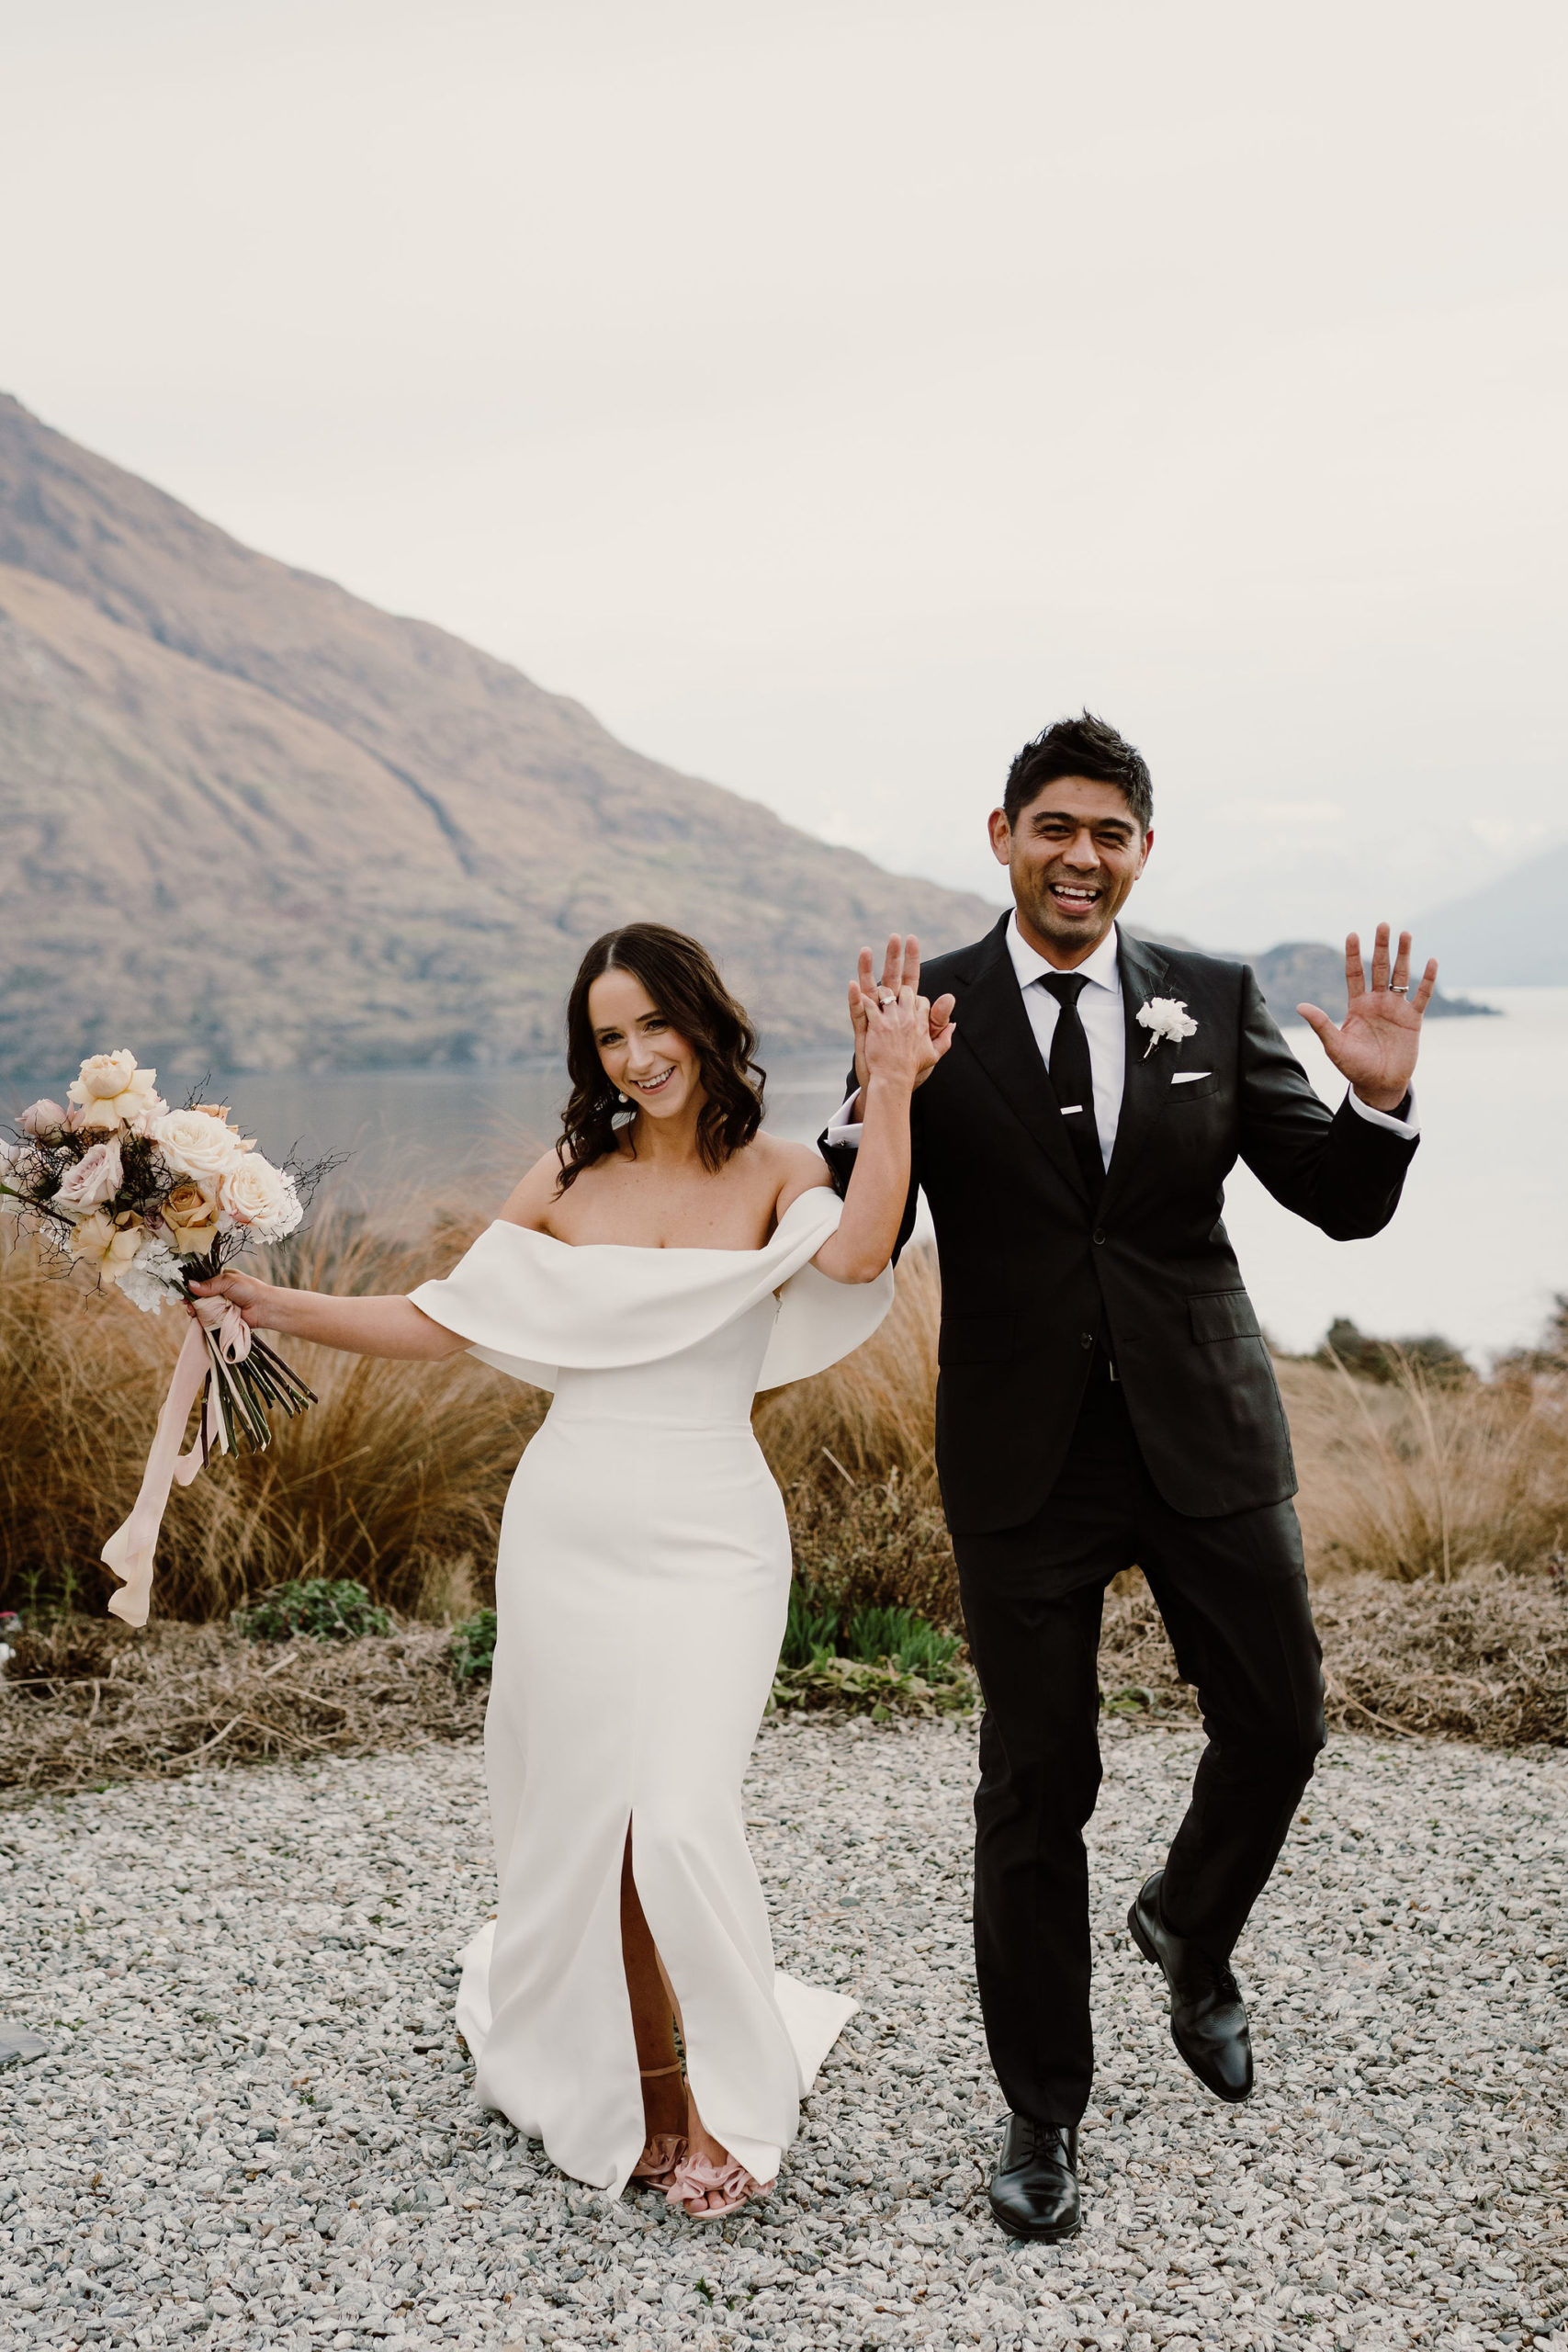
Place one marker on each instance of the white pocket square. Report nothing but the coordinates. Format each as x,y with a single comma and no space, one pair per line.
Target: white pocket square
1186,1077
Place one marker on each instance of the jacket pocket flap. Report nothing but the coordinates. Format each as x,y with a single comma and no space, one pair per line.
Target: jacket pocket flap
1224,1314
976,1339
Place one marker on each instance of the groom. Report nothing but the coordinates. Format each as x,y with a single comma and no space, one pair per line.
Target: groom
1106,1399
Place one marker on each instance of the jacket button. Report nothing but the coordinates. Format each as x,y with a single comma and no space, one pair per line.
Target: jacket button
1086,1338
1098,1233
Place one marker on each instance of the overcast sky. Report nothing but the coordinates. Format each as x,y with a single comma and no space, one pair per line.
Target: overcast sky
829,394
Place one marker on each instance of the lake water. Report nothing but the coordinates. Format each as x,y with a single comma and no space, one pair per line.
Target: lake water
1478,1249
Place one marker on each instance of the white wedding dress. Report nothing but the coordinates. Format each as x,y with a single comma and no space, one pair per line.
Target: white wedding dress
641,1586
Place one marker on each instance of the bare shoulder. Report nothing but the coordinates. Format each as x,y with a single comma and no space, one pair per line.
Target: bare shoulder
529,1202
791,1169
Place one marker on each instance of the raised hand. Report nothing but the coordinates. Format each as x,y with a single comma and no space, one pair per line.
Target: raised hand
1376,1046
900,1039
900,970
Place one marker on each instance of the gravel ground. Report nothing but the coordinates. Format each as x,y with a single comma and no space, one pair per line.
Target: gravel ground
254,2127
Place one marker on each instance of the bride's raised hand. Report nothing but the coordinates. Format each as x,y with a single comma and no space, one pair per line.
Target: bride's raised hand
901,1045
259,1303
900,971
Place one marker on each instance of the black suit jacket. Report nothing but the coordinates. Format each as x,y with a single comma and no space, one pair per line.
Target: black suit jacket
1034,1274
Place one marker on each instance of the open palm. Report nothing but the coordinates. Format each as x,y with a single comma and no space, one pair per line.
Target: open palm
1376,1045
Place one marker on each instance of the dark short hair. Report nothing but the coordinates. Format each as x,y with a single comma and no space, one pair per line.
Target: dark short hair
1081,746
682,979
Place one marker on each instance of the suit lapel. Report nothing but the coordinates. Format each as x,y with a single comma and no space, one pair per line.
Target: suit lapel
1147,1075
994,1026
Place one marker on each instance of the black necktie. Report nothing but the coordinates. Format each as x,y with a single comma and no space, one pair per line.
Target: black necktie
1072,1077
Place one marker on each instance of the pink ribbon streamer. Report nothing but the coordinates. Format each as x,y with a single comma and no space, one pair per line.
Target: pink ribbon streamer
219,1338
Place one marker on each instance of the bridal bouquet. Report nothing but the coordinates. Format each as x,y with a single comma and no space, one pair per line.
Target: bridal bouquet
152,1200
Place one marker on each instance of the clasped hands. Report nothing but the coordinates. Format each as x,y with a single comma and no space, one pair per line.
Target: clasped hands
924,1030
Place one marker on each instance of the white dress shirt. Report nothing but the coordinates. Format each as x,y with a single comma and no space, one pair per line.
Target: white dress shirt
1100,1010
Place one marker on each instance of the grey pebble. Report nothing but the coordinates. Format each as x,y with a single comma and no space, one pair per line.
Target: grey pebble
251,2125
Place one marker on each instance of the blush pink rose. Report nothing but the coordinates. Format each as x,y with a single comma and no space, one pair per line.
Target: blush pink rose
97,1177
43,1118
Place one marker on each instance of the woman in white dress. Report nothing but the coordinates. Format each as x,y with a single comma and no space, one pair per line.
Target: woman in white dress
666,1259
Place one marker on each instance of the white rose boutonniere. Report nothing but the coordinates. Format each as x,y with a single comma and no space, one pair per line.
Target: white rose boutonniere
1166,1017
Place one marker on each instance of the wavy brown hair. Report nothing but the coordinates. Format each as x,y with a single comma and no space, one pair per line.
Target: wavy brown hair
683,980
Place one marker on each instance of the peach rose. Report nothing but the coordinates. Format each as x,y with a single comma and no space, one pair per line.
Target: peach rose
192,1217
108,1243
97,1177
110,1091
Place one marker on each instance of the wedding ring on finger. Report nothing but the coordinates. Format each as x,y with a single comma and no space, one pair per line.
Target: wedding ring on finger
886,997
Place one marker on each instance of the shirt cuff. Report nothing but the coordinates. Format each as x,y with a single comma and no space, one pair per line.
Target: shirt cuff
843,1130
1408,1125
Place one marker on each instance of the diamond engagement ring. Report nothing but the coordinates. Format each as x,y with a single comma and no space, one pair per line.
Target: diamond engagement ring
886,996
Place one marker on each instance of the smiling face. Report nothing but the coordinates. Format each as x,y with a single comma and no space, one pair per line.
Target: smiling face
651,1063
1072,853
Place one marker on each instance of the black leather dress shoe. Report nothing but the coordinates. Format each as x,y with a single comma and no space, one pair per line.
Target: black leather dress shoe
1034,2181
1208,2018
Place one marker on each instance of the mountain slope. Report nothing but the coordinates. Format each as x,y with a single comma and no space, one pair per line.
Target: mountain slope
248,820
1512,933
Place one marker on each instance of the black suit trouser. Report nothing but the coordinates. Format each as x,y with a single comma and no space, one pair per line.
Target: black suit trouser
1233,1597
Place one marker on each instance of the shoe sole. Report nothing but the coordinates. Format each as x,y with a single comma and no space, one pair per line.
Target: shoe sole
1036,2237
1140,1936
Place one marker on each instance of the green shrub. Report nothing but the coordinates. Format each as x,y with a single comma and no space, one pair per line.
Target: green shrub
328,1610
909,1642
811,1629
820,1630
472,1649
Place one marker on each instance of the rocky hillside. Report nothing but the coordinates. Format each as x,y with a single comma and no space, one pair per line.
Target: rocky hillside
249,822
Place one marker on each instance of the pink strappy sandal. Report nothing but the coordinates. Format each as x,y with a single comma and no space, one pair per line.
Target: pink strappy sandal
661,2155
695,2180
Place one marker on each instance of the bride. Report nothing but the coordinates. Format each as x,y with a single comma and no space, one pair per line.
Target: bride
664,1261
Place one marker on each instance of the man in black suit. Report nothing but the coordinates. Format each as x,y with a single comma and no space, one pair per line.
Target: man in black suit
1106,1399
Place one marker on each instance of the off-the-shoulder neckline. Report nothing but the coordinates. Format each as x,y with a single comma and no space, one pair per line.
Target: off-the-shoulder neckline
660,1250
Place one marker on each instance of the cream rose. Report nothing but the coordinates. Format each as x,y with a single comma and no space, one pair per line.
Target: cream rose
110,1091
192,1217
260,1197
97,1177
108,1243
195,1144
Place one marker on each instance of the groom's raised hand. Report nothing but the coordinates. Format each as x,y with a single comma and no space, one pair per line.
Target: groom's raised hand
1377,1044
900,969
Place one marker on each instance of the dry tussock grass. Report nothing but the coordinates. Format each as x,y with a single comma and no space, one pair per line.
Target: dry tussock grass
396,1477
1430,1514
1417,1478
